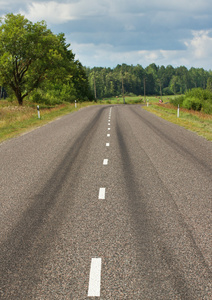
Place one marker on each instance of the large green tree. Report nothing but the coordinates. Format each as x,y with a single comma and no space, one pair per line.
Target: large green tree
29,54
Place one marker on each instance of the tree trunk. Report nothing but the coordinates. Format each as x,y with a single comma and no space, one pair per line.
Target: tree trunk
20,99
17,92
19,96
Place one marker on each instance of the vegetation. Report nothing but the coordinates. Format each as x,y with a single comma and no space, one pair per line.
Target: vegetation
195,121
32,57
195,99
153,80
16,119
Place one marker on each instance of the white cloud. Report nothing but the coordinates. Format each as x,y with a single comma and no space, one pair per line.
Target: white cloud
55,12
52,12
198,53
201,45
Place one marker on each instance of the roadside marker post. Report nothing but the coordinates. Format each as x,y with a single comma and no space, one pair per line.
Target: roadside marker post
147,103
75,103
38,109
178,111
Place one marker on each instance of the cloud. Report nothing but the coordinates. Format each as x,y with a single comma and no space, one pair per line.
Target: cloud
109,32
198,50
201,44
55,12
52,12
63,11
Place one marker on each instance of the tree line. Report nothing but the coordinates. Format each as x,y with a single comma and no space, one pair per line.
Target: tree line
152,80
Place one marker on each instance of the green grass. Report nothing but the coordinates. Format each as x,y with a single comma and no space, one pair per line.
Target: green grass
16,120
198,122
133,99
119,100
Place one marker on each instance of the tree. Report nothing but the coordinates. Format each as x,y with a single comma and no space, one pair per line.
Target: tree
29,54
175,84
153,80
209,84
183,77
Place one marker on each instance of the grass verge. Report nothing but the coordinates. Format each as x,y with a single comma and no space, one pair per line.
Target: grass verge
195,121
119,100
16,120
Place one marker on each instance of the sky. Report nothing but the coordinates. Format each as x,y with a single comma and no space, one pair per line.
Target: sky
105,33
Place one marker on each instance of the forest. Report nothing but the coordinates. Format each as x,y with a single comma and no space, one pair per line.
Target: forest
152,80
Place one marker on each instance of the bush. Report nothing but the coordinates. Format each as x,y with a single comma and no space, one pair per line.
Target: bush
207,107
200,94
193,103
196,99
177,100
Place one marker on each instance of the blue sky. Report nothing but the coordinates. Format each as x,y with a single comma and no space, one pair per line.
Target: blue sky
110,32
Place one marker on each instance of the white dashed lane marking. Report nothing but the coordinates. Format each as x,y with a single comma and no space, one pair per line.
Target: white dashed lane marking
95,278
96,263
105,162
101,194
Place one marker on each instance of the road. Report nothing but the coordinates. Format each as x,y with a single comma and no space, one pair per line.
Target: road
110,202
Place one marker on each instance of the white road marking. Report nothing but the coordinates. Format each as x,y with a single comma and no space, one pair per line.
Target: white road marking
107,144
101,194
95,278
108,135
108,128
105,162
108,124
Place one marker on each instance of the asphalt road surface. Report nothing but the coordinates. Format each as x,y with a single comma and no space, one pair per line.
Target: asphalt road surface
110,202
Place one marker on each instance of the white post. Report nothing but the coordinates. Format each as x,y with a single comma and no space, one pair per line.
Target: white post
38,111
147,103
178,111
75,103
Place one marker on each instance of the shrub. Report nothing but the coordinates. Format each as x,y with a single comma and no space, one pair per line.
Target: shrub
207,107
196,99
192,103
177,100
200,94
